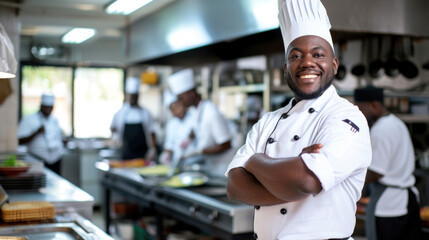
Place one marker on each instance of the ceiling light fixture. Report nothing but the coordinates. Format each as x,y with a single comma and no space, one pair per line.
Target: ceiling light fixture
125,7
78,35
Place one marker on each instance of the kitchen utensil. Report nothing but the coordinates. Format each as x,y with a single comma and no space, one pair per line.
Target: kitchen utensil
342,71
376,66
406,66
174,164
425,65
392,63
359,69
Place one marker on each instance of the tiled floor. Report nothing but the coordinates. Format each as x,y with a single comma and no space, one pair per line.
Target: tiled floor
122,231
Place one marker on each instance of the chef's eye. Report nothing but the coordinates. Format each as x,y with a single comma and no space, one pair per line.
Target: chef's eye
319,55
294,56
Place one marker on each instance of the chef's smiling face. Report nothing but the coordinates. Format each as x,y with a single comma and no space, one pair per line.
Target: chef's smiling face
310,66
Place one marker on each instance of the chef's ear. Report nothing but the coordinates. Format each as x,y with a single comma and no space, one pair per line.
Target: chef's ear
335,63
285,69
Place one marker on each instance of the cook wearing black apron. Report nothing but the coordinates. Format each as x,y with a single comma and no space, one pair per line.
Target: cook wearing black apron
134,143
412,218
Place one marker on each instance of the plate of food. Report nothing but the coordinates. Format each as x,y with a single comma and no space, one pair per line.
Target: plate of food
155,170
13,166
186,179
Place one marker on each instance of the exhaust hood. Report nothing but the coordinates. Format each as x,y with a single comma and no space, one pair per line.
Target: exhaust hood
193,31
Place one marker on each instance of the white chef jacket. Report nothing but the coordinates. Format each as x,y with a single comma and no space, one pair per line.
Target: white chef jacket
211,127
128,114
393,157
48,145
340,166
178,130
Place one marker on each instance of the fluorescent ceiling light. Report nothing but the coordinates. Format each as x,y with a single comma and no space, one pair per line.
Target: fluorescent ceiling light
78,35
125,7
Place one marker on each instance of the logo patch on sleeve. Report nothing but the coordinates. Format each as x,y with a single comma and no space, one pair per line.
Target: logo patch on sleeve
353,127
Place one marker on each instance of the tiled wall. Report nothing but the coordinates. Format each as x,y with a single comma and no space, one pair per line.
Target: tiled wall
9,108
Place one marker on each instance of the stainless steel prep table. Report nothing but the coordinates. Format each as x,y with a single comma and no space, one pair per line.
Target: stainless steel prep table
73,207
65,196
217,215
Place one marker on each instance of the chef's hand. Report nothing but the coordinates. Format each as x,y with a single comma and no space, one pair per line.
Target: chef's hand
311,149
165,158
185,143
151,154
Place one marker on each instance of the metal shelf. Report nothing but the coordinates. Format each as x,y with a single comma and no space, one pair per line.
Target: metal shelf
244,88
413,118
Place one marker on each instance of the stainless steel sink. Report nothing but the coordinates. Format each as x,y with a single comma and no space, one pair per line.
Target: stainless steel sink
53,231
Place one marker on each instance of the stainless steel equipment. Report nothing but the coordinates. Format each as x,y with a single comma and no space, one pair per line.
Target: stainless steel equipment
205,207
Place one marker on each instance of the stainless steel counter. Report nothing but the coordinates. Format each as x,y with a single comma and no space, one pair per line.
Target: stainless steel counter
215,213
65,196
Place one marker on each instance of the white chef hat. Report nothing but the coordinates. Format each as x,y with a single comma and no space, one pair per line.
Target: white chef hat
299,18
169,98
132,85
48,100
181,81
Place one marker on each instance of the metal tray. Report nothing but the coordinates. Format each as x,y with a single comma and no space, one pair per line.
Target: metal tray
63,231
3,196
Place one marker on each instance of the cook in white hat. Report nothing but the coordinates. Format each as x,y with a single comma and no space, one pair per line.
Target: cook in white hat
42,135
177,129
303,166
210,129
48,100
133,126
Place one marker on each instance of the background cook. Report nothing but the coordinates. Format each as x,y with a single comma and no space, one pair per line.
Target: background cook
210,129
393,211
43,136
133,127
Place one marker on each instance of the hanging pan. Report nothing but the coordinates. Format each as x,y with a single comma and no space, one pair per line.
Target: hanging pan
376,66
341,72
406,66
359,69
392,63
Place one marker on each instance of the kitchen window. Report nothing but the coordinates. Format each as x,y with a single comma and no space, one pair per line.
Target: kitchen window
85,98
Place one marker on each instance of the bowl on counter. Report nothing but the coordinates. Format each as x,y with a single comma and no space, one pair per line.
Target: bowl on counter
20,167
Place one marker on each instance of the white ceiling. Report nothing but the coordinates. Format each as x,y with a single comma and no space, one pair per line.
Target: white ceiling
51,19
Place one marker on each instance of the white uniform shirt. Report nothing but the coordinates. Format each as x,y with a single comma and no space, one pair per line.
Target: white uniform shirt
211,127
178,130
393,157
340,166
132,115
48,145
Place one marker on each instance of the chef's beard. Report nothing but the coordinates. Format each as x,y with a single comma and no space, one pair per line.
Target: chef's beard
303,96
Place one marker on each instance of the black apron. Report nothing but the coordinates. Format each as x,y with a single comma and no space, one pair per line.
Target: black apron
376,190
134,143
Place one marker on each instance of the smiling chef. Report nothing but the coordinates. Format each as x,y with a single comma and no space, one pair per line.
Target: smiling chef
303,166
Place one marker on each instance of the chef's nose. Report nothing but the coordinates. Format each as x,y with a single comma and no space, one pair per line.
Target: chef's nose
308,61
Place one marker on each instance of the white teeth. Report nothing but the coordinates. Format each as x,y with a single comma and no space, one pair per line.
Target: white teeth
308,76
